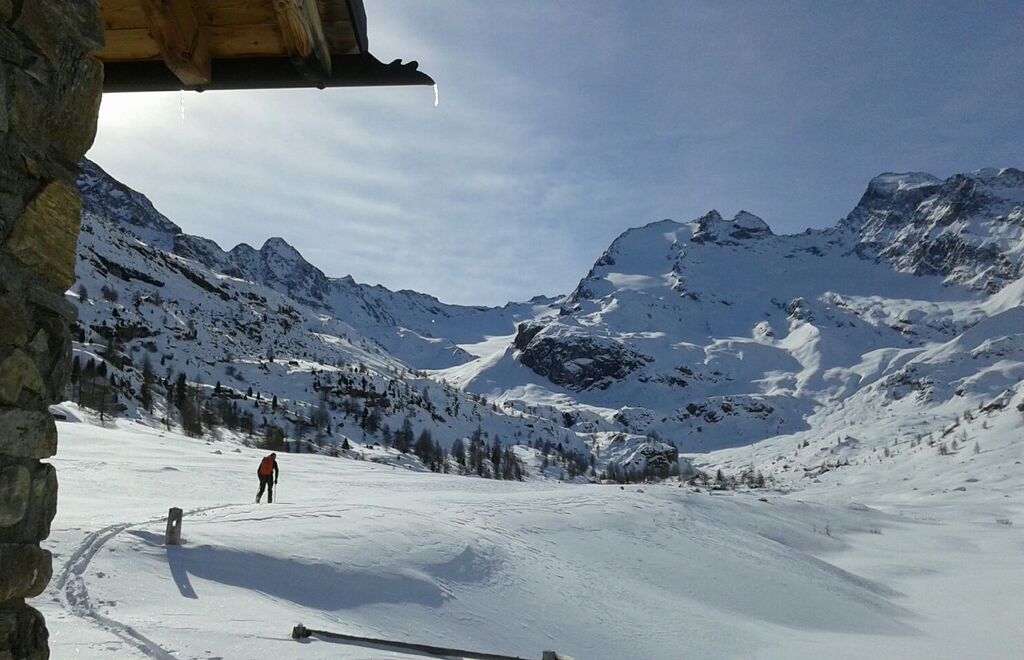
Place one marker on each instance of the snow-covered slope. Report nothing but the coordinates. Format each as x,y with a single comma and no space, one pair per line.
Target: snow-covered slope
708,334
916,556
245,329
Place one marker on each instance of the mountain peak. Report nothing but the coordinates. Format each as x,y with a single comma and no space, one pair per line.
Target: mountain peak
994,179
105,196
242,248
750,225
279,246
661,226
711,216
712,228
893,197
889,183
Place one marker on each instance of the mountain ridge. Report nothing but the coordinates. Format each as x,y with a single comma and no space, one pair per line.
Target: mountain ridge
711,333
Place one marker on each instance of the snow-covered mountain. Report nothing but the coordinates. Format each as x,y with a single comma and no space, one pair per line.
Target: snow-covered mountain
264,339
967,229
415,327
869,374
709,334
718,333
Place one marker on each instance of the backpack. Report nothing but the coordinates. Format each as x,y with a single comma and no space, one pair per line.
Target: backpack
266,466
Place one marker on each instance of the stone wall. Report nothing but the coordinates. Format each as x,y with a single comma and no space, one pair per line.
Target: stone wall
49,99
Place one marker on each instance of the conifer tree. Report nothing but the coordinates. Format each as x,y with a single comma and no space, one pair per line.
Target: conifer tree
146,391
404,437
424,446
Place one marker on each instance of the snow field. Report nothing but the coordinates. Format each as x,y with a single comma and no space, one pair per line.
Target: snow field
596,572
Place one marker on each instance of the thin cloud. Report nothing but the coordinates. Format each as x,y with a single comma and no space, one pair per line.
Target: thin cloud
559,128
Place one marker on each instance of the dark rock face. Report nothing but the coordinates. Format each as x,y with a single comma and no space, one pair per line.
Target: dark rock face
658,457
525,334
281,267
799,310
746,226
712,228
706,225
930,227
50,91
577,362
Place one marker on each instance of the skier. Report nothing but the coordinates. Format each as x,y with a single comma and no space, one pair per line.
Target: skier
268,477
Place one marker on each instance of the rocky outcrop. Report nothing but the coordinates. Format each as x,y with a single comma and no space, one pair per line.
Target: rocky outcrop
577,362
968,228
50,91
713,228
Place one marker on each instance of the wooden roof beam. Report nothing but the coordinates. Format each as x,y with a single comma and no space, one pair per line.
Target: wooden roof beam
263,73
183,44
303,33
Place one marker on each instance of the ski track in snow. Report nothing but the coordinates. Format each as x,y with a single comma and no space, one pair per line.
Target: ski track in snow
74,595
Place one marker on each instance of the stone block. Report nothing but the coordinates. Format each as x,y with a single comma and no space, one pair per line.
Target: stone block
53,356
81,81
10,45
10,204
39,343
51,300
14,489
27,433
4,120
54,105
28,112
36,27
18,372
47,23
13,331
23,634
27,569
83,23
34,524
45,238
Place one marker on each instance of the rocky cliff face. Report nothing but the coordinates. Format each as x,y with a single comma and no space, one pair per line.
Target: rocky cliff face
579,362
712,228
969,229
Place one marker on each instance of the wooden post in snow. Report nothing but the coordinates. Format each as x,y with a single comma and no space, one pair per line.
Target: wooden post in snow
173,535
300,632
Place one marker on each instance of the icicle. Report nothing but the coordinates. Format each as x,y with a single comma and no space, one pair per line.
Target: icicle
182,93
437,99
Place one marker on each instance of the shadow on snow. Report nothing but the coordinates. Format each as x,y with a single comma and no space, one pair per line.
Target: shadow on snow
316,586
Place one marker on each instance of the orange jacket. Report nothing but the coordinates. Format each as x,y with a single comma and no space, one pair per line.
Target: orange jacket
268,466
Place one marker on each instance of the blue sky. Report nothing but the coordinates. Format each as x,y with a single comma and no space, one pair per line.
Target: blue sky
561,124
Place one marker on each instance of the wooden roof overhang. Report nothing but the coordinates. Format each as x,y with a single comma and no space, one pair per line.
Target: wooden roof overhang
169,45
